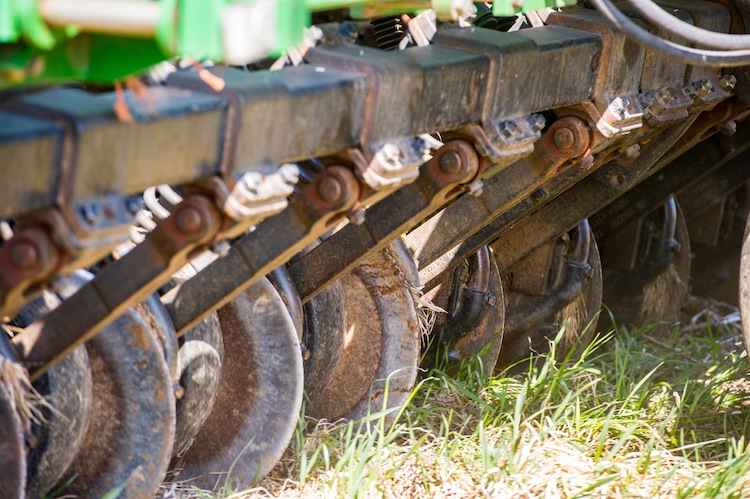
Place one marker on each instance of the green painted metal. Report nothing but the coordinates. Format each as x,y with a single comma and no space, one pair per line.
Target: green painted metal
33,53
511,7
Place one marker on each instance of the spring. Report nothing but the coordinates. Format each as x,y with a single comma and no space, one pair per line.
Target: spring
154,210
388,31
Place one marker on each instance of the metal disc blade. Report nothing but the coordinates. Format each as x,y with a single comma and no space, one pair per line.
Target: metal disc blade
381,346
12,449
487,338
131,433
199,357
323,338
260,395
745,286
67,389
200,361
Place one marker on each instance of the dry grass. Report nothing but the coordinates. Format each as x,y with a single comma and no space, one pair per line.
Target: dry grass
631,419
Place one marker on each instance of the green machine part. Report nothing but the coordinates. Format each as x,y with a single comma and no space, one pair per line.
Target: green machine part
511,7
101,41
34,51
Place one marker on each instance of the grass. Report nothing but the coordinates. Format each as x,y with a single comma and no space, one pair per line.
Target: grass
655,412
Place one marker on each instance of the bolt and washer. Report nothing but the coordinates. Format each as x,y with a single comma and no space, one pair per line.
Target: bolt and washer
329,189
564,138
450,162
24,255
189,220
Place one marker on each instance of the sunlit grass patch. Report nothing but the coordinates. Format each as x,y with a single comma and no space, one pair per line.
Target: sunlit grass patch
652,412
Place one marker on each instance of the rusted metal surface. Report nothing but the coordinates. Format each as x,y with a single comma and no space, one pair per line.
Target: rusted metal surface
385,221
694,176
127,281
272,243
259,397
131,432
55,441
506,197
570,208
12,450
566,139
381,351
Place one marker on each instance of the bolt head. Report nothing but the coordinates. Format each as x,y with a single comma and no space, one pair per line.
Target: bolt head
329,189
705,88
632,151
564,138
727,82
189,220
450,162
24,255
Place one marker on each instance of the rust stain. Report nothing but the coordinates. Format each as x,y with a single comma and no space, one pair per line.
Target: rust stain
139,336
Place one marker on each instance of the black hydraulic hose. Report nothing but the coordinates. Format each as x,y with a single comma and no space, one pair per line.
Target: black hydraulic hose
669,49
694,34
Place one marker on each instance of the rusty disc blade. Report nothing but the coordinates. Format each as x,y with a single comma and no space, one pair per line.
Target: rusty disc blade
67,389
131,433
200,361
12,448
323,338
381,346
487,338
745,286
196,374
259,397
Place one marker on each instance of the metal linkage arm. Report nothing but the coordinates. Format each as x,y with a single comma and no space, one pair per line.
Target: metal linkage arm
195,222
439,181
322,204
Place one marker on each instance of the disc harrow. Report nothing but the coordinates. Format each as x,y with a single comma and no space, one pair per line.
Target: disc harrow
188,261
